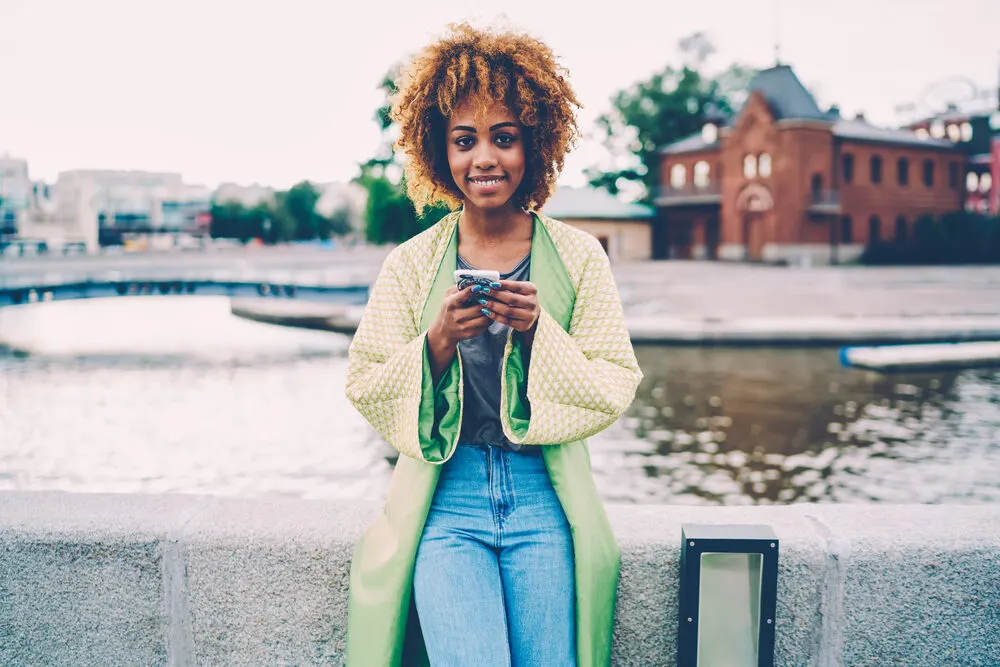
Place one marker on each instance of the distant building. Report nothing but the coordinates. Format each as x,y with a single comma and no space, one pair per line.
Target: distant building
786,181
16,191
132,204
349,197
247,195
977,136
622,228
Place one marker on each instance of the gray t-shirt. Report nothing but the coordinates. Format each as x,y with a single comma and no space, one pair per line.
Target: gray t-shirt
482,359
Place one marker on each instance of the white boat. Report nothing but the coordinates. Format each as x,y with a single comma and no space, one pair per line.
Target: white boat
923,356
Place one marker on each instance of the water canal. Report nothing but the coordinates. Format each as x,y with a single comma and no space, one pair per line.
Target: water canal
173,394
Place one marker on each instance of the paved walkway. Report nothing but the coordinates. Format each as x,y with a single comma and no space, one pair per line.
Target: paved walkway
709,302
670,301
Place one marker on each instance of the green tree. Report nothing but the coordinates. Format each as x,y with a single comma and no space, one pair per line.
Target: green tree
672,104
389,214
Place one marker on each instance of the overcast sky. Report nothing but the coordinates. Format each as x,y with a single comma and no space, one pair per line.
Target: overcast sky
275,92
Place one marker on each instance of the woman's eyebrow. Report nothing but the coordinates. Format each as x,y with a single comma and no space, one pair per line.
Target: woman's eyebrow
503,124
463,128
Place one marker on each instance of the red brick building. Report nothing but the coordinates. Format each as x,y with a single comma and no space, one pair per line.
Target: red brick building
785,181
977,135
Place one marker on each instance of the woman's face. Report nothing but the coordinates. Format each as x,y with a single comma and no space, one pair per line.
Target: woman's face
486,155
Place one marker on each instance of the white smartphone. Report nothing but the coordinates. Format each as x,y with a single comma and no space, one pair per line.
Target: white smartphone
466,277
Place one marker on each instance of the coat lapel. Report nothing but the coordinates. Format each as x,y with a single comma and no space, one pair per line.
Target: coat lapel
444,254
556,294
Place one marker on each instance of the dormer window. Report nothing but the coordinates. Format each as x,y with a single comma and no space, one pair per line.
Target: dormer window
678,176
965,129
764,165
922,133
937,129
750,166
701,174
709,133
954,132
971,181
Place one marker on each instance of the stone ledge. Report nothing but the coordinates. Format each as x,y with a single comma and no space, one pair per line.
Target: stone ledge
184,580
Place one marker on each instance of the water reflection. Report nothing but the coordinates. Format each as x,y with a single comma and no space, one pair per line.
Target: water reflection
175,395
754,425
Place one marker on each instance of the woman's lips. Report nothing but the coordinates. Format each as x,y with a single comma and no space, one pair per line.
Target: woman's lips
487,184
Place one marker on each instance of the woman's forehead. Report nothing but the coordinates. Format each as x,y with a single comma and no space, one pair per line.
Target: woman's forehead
485,113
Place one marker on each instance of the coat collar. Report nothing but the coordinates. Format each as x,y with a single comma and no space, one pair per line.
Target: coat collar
556,294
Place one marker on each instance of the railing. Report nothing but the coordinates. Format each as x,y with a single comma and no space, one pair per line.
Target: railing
824,201
688,195
15,292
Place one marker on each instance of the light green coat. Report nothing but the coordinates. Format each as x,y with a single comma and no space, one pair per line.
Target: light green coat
582,374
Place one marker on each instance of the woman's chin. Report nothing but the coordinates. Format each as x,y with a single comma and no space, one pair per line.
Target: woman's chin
494,202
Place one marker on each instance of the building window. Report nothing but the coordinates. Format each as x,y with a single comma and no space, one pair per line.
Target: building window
985,182
816,186
764,165
702,173
954,132
903,171
971,181
874,229
848,164
929,173
846,229
966,131
900,235
922,133
876,169
952,175
678,176
937,129
709,133
750,166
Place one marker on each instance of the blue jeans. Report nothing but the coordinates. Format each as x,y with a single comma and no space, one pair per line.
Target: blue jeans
493,581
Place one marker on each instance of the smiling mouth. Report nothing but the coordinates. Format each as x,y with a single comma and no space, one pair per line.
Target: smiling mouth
487,180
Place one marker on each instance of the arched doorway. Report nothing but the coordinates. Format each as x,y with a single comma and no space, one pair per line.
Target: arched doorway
754,202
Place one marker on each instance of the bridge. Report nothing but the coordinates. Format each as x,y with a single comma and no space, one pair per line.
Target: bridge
89,288
339,276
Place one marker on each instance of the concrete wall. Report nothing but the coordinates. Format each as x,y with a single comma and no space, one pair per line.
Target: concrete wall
628,240
190,580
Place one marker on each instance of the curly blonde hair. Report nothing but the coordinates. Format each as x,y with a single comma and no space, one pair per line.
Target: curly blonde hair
483,67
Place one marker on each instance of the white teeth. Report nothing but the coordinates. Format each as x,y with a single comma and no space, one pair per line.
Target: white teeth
492,181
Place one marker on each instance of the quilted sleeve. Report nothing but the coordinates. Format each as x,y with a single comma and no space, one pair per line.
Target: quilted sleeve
578,383
389,376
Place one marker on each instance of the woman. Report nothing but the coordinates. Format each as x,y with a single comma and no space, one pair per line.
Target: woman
494,547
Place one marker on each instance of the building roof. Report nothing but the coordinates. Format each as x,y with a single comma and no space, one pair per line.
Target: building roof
691,144
860,130
786,94
790,100
590,203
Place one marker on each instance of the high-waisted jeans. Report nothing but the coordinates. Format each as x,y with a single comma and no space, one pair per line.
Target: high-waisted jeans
493,581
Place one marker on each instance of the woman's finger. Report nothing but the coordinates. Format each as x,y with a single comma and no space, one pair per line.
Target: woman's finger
519,286
508,313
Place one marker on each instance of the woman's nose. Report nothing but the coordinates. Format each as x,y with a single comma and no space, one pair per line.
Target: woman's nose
484,157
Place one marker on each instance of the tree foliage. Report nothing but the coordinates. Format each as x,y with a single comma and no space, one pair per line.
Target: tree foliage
389,214
289,216
672,104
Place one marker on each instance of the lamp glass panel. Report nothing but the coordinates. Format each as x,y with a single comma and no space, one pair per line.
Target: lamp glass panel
729,609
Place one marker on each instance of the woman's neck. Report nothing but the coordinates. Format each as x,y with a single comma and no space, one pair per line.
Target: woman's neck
495,225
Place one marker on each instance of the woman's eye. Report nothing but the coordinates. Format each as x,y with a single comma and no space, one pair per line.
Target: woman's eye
464,141
505,139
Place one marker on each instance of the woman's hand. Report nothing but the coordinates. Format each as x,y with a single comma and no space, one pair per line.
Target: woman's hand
461,316
515,303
